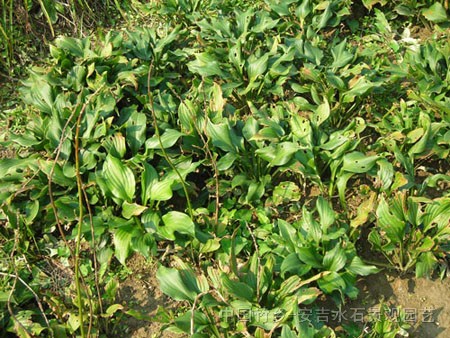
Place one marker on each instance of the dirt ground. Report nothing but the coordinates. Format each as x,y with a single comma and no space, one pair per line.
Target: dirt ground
426,302
140,292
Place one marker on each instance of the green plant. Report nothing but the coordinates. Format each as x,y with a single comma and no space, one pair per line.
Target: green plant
412,232
220,145
385,323
322,245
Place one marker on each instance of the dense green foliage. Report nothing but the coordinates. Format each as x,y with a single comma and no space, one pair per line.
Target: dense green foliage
206,134
25,23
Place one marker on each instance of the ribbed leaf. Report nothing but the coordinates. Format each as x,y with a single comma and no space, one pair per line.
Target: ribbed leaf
179,222
176,285
119,179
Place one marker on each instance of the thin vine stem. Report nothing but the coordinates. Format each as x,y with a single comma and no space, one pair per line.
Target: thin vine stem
81,196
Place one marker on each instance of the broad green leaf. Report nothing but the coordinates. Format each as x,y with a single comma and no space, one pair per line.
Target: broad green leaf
211,245
243,20
385,173
335,81
255,191
136,127
256,66
225,162
183,323
58,176
162,190
332,282
132,209
205,64
382,23
303,10
370,3
335,259
266,133
295,284
288,233
115,145
436,13
122,236
357,89
425,265
76,78
74,46
237,289
11,166
264,22
149,176
31,211
26,139
322,113
341,56
308,255
119,178
426,245
421,145
68,208
150,220
144,244
292,264
224,137
438,214
38,92
251,128
358,267
400,180
168,139
310,226
388,222
217,101
357,162
154,189
336,140
164,41
280,154
54,134
286,332
285,192
235,56
326,213
301,128
112,309
323,18
179,285
186,116
179,222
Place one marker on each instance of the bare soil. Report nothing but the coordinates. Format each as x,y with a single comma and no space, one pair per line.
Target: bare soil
426,302
140,291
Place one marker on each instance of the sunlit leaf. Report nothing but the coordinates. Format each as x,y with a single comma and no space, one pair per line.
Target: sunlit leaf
175,221
179,285
358,267
168,139
119,178
357,162
436,13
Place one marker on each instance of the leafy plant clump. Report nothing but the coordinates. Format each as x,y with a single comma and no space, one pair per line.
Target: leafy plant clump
204,137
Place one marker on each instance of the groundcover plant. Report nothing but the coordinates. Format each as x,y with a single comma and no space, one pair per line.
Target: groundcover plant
226,141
